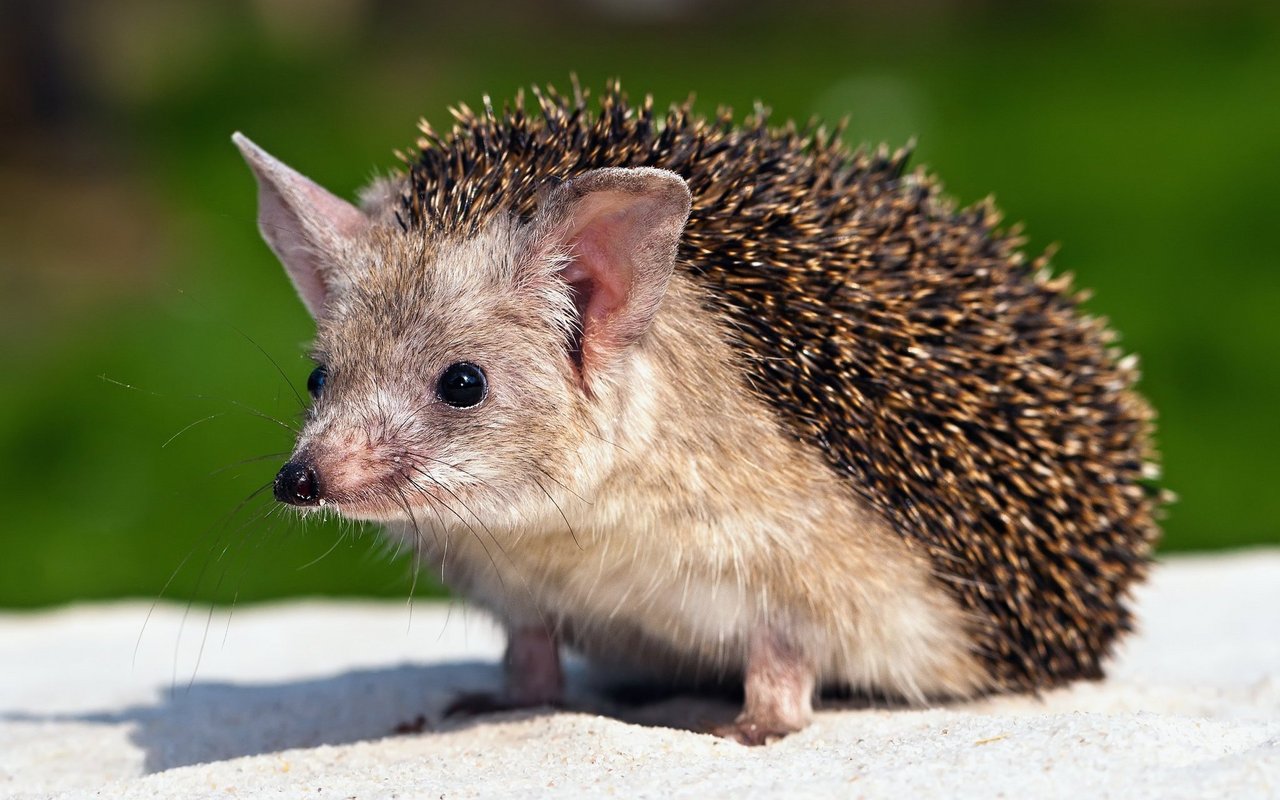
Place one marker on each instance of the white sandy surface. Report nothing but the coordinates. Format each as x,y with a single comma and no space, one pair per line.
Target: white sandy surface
301,700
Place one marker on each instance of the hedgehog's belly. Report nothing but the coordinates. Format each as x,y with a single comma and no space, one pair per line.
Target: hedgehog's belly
638,609
664,623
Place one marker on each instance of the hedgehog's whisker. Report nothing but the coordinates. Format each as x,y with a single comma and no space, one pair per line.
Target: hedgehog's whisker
178,569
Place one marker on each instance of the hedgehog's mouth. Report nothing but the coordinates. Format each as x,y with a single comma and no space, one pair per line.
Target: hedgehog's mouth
366,508
364,481
382,501
393,497
358,488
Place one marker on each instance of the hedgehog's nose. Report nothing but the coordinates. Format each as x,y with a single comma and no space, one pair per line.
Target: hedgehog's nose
298,485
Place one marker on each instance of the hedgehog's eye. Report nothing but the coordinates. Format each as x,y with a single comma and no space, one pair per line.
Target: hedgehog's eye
317,379
462,385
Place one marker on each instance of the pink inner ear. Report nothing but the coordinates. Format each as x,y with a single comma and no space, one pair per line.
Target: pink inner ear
621,228
601,275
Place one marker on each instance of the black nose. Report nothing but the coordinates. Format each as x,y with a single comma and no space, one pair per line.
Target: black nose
298,485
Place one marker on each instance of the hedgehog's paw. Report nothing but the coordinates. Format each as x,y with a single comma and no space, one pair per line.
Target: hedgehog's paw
778,691
754,733
474,704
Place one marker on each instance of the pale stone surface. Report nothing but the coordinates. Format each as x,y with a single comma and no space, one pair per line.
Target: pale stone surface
301,700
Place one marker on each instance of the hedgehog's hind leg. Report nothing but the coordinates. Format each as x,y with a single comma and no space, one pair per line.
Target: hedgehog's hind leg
778,690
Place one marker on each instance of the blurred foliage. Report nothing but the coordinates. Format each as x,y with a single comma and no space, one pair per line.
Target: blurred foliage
1145,137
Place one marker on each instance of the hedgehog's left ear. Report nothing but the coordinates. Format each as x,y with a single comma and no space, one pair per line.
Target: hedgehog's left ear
310,230
618,230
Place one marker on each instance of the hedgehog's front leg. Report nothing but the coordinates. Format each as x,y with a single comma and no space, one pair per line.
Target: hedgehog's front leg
532,662
533,675
779,690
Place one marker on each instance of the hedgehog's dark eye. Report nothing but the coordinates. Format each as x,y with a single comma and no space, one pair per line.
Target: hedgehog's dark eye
462,385
317,379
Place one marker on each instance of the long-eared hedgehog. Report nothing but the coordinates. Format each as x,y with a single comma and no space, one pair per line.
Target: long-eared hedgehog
709,399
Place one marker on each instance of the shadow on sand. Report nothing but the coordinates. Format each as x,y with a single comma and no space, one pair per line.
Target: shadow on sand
212,721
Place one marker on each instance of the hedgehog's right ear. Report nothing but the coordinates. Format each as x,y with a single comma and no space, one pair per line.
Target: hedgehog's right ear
614,234
309,229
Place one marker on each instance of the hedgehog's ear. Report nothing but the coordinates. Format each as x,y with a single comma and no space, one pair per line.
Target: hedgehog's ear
309,229
617,230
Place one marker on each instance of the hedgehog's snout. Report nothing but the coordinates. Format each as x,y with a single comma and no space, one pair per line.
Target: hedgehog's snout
298,484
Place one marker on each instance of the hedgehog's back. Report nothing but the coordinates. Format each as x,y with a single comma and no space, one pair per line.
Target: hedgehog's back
960,389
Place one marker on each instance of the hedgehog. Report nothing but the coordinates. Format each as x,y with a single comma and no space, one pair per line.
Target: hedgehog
710,400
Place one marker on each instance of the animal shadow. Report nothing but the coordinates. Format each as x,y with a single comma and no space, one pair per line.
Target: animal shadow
214,721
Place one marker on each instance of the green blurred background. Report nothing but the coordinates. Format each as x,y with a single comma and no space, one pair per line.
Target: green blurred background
1143,137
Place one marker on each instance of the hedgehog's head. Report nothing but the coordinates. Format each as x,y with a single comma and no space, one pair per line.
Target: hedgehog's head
456,371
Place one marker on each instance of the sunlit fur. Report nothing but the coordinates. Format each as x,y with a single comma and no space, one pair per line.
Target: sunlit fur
860,417
653,523
957,386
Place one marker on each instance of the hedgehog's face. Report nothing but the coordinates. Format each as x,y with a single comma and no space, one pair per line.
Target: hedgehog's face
454,374
443,385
